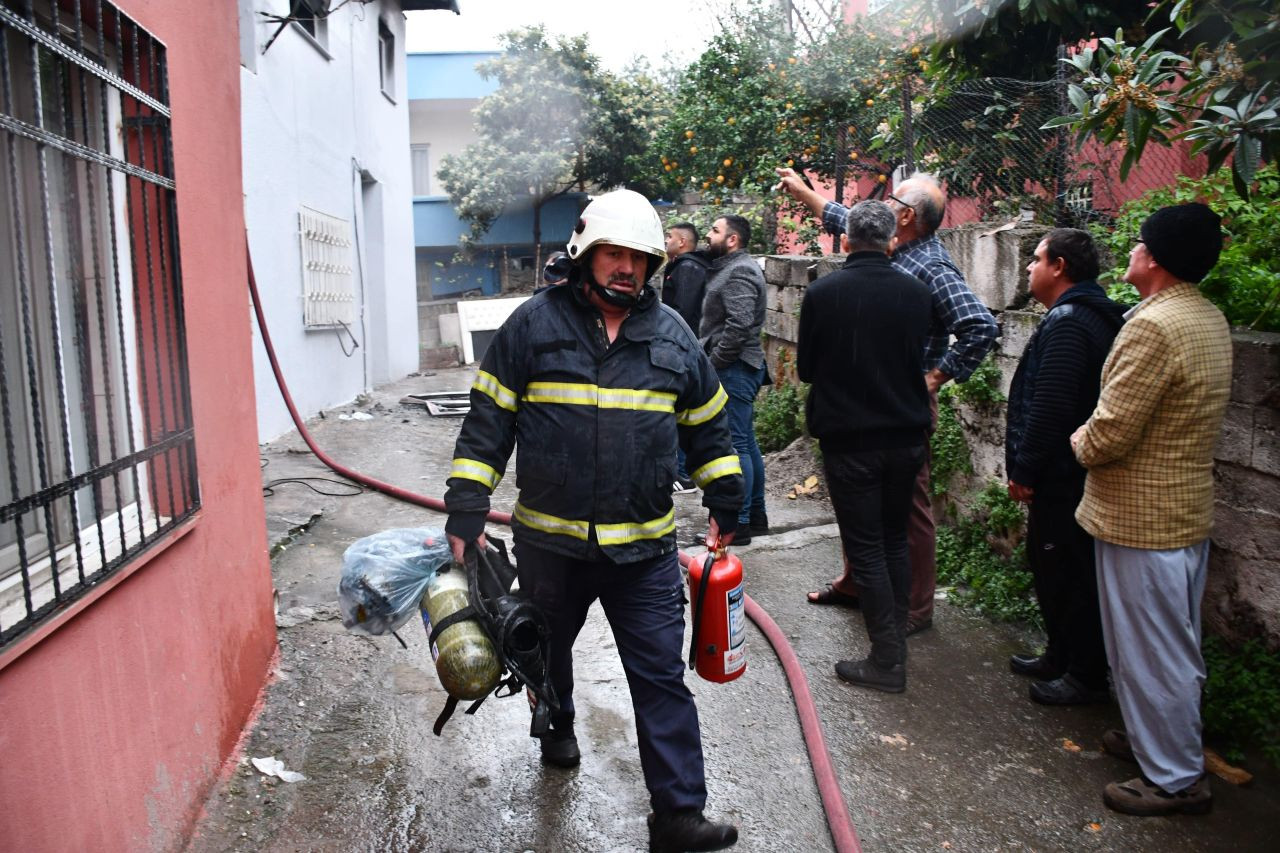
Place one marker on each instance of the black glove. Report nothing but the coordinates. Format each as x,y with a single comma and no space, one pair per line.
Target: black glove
726,519
467,526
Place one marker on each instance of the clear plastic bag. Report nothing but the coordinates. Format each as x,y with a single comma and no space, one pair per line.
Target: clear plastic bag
384,576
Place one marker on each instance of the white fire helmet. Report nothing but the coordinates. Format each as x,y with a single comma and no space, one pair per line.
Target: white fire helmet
623,218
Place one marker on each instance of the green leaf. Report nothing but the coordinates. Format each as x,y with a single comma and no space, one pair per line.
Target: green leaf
1059,121
1077,96
1248,155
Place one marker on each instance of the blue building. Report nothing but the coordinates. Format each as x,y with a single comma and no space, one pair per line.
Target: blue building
444,88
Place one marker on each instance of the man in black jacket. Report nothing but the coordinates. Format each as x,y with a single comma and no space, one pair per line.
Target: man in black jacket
684,281
861,345
1054,388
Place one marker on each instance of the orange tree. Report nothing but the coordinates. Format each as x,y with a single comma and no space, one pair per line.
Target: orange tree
759,98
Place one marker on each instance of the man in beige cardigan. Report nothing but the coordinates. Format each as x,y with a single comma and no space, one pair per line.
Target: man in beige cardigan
1148,502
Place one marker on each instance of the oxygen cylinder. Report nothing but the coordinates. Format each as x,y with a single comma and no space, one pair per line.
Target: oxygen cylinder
465,660
718,648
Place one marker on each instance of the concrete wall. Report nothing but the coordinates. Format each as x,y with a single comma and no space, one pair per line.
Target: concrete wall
319,132
1243,595
121,711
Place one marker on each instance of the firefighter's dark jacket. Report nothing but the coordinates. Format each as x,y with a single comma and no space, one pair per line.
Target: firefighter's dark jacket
597,426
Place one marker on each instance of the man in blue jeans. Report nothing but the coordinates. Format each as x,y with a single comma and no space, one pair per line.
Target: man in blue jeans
732,317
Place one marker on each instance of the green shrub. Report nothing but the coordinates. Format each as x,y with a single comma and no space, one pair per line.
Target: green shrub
948,449
1245,284
780,416
1241,700
982,388
981,578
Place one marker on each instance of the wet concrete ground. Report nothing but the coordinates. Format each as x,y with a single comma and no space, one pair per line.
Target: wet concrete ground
962,761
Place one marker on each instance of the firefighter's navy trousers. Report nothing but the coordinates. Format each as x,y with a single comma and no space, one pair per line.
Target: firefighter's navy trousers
644,603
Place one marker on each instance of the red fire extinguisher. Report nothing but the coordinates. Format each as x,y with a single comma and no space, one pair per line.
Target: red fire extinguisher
717,649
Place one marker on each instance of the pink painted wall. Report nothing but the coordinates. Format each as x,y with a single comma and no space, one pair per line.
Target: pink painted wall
114,727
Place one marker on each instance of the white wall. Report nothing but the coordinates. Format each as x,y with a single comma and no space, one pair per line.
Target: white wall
319,132
446,125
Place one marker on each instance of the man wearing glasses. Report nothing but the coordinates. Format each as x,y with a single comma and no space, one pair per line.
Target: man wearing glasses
918,204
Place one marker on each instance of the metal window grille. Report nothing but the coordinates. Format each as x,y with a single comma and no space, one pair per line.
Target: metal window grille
328,297
95,409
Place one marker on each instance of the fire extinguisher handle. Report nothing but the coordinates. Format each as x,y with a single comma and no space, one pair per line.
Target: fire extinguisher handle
698,598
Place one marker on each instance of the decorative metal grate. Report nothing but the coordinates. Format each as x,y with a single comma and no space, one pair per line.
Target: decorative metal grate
95,412
328,297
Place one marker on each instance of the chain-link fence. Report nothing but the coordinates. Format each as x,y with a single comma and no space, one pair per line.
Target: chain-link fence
984,139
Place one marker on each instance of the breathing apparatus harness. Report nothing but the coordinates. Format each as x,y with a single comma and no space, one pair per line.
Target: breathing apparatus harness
515,625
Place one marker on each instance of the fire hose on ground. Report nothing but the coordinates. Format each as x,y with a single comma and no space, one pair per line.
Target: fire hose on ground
843,832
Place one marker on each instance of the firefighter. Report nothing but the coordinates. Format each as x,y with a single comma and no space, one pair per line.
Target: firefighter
597,382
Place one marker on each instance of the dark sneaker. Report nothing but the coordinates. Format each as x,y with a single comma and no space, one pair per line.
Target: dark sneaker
743,534
560,747
684,486
687,829
759,522
1116,743
866,674
1144,798
1068,691
1034,666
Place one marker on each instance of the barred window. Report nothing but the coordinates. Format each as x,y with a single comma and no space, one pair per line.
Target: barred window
95,413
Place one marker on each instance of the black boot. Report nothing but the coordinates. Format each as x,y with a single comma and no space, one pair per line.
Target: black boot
560,747
759,522
687,829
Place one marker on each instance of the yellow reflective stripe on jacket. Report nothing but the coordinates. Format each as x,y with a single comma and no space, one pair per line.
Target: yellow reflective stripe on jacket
550,523
488,384
705,412
715,469
632,398
473,469
576,394
630,531
567,393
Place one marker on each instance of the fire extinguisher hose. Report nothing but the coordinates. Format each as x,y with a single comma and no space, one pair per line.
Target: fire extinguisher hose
841,824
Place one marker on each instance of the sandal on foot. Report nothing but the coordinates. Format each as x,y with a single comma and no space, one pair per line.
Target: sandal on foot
833,596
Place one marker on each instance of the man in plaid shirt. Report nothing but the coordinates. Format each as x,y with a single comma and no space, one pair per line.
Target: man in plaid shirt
918,203
1148,503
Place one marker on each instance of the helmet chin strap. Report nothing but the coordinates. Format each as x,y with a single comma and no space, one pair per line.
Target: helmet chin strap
613,297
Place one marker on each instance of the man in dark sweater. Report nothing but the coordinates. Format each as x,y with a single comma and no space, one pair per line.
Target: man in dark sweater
861,346
1054,388
684,279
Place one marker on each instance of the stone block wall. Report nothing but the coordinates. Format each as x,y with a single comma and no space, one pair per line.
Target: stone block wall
1242,598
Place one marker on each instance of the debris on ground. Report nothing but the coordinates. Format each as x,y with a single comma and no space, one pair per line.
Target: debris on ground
1219,767
271,766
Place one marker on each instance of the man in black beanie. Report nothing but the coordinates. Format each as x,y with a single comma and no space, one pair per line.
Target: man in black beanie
1148,503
